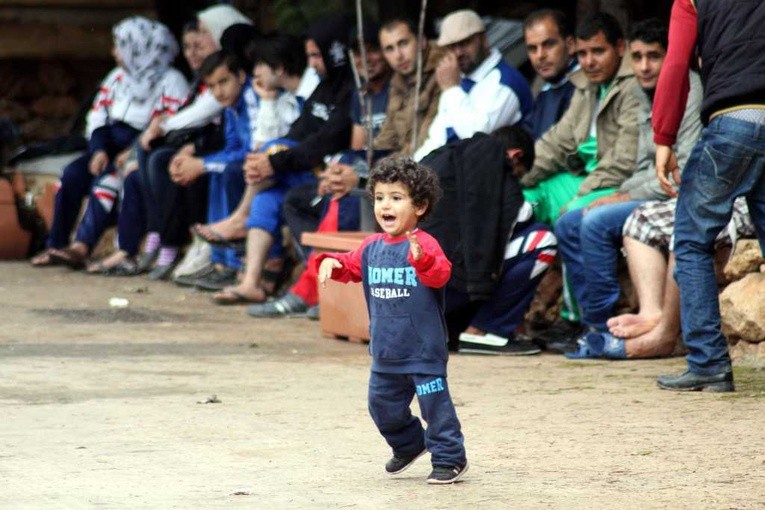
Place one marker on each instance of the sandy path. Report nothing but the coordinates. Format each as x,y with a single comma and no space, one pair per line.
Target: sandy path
106,415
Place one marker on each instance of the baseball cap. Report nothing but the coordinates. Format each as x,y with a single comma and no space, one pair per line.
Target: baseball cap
460,25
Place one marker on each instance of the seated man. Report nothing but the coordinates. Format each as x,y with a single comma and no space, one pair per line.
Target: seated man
332,208
590,238
487,231
231,87
480,92
304,206
654,331
552,52
592,149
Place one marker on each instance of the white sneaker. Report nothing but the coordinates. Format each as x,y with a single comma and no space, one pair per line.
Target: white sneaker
197,257
496,345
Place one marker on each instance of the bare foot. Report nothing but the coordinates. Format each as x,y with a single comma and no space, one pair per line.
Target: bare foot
474,331
229,229
630,325
656,343
109,262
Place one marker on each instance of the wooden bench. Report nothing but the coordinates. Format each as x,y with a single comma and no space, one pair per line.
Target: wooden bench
343,307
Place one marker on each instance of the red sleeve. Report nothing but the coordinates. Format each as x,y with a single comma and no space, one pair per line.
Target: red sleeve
433,269
351,261
672,89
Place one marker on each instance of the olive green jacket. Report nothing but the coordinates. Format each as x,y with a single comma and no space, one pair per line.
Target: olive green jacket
616,128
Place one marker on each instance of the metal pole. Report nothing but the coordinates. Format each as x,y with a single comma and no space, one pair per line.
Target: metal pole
420,38
366,101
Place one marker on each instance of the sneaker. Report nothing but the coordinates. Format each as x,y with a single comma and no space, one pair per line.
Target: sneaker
187,280
312,313
217,280
398,464
445,475
561,336
289,305
197,258
496,345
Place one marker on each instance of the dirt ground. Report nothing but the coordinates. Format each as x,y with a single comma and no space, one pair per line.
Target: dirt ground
106,408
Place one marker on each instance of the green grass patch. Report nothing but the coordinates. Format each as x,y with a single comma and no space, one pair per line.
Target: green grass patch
750,383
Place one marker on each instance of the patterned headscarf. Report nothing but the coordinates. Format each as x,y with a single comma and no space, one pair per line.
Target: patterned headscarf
146,48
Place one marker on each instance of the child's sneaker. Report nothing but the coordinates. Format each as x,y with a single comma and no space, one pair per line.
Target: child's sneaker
398,464
444,475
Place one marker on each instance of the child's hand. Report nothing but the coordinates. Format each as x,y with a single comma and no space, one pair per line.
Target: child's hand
325,270
414,246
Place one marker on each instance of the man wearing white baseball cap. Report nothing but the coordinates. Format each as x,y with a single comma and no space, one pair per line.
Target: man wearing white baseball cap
480,91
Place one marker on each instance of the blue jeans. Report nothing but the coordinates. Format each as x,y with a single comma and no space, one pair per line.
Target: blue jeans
727,162
589,244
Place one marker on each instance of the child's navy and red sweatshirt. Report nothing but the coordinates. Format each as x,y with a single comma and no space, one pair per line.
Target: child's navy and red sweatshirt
405,299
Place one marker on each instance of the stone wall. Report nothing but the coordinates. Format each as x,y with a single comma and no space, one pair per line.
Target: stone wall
742,303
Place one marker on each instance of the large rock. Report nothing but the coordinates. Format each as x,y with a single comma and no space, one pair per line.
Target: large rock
742,308
746,259
748,353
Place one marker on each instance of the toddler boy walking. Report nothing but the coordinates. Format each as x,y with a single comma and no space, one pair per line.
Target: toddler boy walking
404,271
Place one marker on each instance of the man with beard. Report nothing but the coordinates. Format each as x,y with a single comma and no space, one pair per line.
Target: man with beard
480,92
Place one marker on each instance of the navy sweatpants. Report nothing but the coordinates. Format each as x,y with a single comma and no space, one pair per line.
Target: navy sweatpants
389,398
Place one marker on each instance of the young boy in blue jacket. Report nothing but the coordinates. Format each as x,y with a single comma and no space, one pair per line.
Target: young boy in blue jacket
230,85
403,271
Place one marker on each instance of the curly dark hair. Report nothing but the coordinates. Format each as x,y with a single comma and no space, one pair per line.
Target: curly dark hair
422,182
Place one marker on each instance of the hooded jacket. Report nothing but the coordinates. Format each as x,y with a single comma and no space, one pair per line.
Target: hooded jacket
476,215
324,126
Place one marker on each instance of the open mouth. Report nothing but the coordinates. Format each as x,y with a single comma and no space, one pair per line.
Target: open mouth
388,218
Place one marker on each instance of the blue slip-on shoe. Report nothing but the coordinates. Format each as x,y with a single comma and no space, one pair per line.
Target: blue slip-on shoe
589,346
613,347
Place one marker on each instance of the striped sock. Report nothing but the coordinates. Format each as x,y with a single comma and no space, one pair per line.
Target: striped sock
152,242
166,255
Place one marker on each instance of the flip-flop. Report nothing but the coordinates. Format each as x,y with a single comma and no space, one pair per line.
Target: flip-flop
40,261
218,239
229,296
590,346
68,257
613,347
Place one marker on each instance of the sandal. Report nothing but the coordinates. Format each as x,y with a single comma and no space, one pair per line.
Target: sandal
68,257
215,238
43,259
614,347
230,296
290,305
271,280
590,346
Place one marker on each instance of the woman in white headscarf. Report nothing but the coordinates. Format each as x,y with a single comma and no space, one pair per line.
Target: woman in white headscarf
142,85
214,20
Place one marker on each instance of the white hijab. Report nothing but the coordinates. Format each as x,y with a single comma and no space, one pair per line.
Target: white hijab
145,48
219,17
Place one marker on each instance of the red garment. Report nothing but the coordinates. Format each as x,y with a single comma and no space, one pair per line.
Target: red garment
672,89
307,285
433,268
